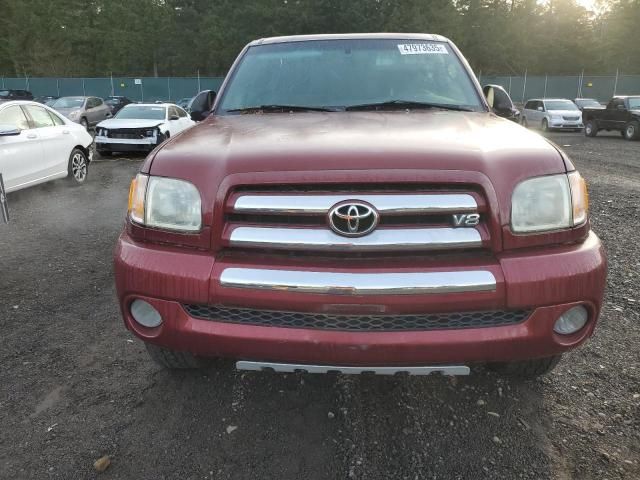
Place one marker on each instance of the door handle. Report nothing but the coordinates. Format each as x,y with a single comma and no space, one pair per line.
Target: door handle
32,135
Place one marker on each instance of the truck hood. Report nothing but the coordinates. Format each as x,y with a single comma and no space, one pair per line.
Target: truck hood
129,123
356,141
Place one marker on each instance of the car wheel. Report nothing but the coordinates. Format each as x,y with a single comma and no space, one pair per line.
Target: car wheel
526,369
172,359
84,123
78,166
545,125
632,131
590,129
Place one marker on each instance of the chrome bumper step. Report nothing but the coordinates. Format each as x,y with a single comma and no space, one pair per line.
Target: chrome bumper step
292,368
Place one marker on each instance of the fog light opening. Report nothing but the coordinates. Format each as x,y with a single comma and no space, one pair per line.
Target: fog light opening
571,321
145,314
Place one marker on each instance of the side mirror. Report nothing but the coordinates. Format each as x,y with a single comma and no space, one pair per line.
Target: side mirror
174,117
9,131
499,101
201,105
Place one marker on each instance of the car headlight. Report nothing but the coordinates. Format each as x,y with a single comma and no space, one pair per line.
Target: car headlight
150,133
165,203
547,203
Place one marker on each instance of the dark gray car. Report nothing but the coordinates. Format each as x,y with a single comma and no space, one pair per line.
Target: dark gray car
87,111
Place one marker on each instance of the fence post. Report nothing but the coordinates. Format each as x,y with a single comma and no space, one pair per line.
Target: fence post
524,86
112,90
169,88
3,82
544,95
199,81
615,85
58,86
509,85
83,92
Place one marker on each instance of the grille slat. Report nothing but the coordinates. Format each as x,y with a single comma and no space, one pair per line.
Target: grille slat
360,323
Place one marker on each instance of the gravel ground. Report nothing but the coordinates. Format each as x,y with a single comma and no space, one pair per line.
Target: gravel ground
75,385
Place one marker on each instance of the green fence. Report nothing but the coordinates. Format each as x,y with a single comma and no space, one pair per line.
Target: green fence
147,89
600,87
521,88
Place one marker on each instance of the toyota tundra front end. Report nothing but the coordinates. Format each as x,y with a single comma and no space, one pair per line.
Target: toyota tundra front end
353,204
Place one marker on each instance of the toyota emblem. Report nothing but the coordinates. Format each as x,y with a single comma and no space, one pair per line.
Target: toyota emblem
353,218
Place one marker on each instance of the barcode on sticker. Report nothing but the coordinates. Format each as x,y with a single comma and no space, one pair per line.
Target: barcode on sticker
422,48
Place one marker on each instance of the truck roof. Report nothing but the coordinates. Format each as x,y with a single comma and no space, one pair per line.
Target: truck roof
350,36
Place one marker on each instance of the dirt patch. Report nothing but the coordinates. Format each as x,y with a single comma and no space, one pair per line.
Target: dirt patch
75,385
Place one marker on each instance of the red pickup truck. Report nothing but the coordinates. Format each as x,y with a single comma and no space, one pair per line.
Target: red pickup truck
353,203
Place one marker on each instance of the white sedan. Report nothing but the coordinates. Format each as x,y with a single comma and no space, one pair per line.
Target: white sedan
140,127
37,144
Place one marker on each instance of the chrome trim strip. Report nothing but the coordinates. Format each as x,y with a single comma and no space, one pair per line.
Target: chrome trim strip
293,367
381,239
341,283
389,204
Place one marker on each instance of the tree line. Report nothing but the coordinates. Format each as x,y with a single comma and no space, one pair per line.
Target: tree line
181,37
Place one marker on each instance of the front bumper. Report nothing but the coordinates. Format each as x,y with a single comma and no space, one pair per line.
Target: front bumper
126,144
546,281
566,125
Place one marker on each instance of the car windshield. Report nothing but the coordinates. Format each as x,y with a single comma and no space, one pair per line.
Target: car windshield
560,105
142,112
336,74
112,100
588,103
69,102
634,103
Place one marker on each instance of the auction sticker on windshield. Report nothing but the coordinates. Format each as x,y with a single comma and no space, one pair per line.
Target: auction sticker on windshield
422,48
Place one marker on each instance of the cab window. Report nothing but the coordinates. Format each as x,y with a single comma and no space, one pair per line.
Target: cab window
15,117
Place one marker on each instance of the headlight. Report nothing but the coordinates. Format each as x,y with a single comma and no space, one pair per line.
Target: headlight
150,133
165,203
553,202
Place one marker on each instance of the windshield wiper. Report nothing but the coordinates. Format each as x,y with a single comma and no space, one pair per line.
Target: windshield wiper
280,108
406,104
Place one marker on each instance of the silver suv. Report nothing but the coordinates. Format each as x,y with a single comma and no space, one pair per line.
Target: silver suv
551,113
87,111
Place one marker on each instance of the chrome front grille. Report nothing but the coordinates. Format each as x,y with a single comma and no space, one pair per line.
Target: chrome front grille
420,220
571,119
360,323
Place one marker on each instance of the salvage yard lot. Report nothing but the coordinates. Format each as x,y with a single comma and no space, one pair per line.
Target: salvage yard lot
75,385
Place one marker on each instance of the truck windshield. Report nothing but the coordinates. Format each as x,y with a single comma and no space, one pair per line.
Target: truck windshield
337,74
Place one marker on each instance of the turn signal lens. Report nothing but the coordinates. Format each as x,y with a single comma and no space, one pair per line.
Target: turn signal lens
579,198
137,193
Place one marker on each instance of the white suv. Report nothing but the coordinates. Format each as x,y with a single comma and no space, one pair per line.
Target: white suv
552,113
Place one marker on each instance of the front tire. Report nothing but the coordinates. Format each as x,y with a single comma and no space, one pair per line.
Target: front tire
78,168
545,125
526,369
590,129
632,131
172,359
